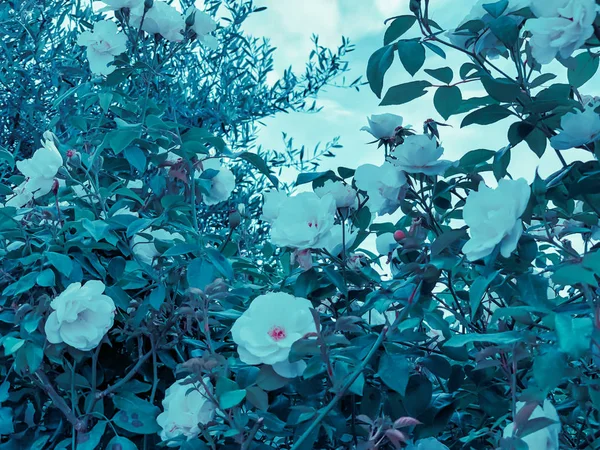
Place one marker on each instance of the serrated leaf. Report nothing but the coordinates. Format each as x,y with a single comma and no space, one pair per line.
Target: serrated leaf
447,100
404,93
412,55
398,27
443,74
486,116
378,65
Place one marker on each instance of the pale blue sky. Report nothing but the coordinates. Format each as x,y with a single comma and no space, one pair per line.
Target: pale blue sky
289,24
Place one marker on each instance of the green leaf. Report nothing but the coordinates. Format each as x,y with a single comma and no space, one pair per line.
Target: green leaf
549,369
404,93
501,89
496,9
506,29
121,139
584,68
89,441
412,55
509,337
136,158
200,273
12,344
475,157
435,49
574,334
62,263
309,177
221,263
394,371
444,74
501,162
232,398
446,239
486,115
46,278
157,297
138,225
447,100
478,289
135,415
337,279
120,443
23,284
261,165
398,27
378,65
97,228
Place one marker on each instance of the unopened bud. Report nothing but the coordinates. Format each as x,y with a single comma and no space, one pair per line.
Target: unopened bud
189,20
399,235
234,219
241,208
55,186
415,6
148,4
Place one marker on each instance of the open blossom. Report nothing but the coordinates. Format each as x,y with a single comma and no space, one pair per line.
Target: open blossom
272,203
222,184
268,328
203,25
344,194
144,248
82,316
118,4
40,172
494,218
161,19
383,184
383,126
304,220
420,153
547,437
103,44
185,407
334,241
486,43
578,128
561,27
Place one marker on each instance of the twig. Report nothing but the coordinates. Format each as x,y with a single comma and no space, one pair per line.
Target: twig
58,401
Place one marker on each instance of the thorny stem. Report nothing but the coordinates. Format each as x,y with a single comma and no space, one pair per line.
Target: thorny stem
58,401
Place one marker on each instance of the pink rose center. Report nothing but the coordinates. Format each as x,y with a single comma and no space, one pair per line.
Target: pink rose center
277,333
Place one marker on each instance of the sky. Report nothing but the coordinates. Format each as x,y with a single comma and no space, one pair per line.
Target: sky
289,25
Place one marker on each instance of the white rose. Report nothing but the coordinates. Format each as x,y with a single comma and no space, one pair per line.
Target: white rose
561,27
578,128
40,171
544,439
428,444
185,406
103,44
494,218
272,203
383,184
222,184
268,328
383,126
145,250
333,242
203,25
487,43
386,243
118,4
161,19
82,316
344,194
420,153
304,221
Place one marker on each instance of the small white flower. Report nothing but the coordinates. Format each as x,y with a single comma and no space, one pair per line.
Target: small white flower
40,171
494,218
145,250
578,128
161,19
333,242
544,439
185,406
118,4
386,243
82,316
268,328
272,202
383,126
428,444
344,194
420,153
223,183
561,27
103,44
304,221
203,25
383,184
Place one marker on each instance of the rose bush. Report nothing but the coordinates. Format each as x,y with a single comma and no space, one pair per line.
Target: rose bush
164,281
